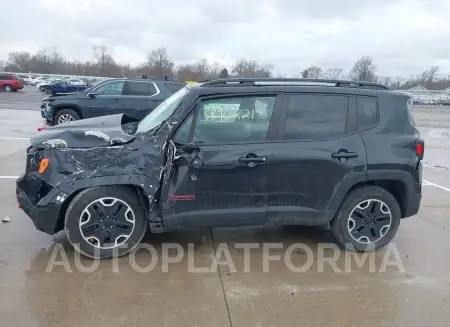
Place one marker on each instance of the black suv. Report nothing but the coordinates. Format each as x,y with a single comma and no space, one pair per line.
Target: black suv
137,97
232,152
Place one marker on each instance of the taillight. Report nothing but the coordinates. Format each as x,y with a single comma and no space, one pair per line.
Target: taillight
420,148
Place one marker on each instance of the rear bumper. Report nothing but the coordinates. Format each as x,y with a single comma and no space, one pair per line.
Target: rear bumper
43,208
414,193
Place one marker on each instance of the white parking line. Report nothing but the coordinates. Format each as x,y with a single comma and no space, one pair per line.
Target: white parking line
437,185
13,138
18,122
9,177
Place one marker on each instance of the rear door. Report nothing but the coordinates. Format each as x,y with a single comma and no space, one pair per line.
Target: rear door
138,99
3,78
320,157
107,101
219,163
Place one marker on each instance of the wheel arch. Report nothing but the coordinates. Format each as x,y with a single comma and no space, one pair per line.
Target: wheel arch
400,184
60,107
136,189
144,187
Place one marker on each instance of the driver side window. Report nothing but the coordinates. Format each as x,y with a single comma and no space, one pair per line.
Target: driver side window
229,120
111,88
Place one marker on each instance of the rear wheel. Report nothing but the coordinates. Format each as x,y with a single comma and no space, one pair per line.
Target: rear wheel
367,220
7,88
104,222
66,116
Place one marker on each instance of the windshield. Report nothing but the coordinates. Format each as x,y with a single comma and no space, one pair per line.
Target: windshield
163,111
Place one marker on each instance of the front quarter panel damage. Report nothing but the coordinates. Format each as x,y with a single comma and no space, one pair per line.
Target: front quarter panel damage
137,163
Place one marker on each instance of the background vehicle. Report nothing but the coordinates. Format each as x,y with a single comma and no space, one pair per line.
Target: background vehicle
76,81
63,87
10,82
135,97
44,83
39,80
234,152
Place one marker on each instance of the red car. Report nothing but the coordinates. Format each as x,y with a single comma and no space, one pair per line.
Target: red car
10,82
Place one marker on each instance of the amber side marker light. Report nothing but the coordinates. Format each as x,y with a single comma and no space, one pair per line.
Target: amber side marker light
43,165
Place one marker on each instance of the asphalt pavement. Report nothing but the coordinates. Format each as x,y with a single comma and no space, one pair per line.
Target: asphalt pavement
43,282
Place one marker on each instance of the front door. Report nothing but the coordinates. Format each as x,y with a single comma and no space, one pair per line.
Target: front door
218,163
107,101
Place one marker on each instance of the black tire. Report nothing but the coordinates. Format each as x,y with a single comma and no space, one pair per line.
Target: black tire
7,88
340,224
41,88
82,200
74,114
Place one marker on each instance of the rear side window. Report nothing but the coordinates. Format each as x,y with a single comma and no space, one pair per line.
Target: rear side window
174,87
367,112
136,88
315,116
6,77
139,88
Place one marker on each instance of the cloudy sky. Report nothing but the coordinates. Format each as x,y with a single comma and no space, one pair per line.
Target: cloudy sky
403,36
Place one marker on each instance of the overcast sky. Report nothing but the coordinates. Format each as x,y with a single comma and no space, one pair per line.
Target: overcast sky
403,36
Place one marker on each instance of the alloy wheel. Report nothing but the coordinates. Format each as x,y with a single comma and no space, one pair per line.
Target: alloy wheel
369,221
107,223
8,88
65,118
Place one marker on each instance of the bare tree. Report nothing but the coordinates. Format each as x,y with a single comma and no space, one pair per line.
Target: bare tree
103,58
202,68
160,62
333,73
214,70
21,60
363,70
250,68
2,66
187,73
312,72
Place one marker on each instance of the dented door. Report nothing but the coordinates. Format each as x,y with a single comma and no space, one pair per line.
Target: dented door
214,186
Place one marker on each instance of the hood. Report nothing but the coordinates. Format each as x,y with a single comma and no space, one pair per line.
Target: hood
66,96
86,133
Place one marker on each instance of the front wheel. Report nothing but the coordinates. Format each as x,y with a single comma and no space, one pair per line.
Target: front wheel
66,116
105,222
7,88
368,219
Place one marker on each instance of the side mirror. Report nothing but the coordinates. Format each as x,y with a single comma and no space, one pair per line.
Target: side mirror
190,147
93,95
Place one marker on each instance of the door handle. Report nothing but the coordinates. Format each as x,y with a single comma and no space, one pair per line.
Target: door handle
254,159
344,155
116,100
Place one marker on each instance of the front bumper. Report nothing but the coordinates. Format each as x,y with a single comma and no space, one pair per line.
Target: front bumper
46,112
40,202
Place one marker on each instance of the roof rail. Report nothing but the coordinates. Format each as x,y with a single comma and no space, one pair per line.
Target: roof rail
292,81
